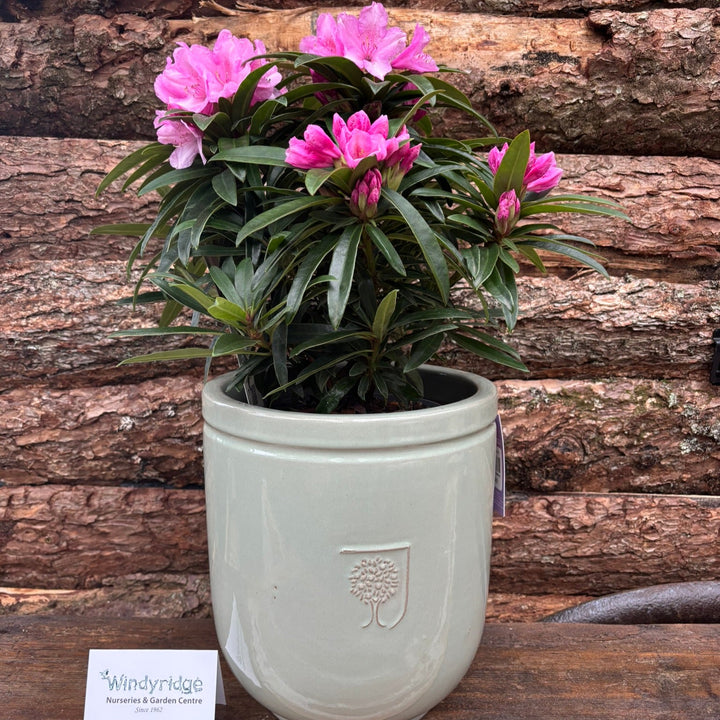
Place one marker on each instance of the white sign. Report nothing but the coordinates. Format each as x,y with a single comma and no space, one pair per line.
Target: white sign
174,684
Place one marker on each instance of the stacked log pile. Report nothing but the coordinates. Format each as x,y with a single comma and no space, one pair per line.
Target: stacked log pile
612,438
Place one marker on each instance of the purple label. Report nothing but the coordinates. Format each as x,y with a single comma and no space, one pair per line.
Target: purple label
499,496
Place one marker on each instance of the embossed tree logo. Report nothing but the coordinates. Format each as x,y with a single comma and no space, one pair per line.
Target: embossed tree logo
374,581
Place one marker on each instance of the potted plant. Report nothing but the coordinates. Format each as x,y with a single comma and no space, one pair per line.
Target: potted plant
313,227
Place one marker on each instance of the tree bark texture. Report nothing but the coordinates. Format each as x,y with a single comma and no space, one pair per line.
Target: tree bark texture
66,537
48,207
615,83
609,435
58,317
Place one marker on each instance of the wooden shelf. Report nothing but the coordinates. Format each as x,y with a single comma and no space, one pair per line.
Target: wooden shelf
521,671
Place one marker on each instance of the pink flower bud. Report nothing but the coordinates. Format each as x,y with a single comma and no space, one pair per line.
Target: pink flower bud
507,213
366,195
541,174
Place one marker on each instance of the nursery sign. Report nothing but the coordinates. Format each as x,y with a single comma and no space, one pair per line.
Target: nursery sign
175,684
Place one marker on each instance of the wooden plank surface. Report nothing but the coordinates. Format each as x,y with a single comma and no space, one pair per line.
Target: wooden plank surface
521,671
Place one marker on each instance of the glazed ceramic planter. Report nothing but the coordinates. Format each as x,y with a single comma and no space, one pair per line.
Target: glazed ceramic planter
349,554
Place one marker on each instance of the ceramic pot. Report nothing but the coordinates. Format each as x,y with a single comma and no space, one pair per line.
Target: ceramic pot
349,554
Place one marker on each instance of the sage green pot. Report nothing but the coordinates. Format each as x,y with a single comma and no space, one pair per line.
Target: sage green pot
349,554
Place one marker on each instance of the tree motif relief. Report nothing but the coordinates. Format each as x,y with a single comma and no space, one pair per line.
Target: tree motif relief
374,581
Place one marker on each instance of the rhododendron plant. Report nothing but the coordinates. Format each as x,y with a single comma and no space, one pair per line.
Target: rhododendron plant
313,226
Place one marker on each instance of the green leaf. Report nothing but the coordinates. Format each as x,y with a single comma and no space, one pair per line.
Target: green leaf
342,270
252,155
317,177
171,330
225,186
328,338
227,312
384,314
124,229
481,349
231,344
281,211
480,261
501,285
382,243
165,355
175,176
133,159
423,351
305,272
426,239
511,173
582,256
225,285
280,353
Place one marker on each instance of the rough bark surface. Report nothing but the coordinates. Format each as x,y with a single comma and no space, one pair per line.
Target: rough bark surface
574,82
152,595
80,537
58,317
48,207
612,435
599,544
609,435
122,434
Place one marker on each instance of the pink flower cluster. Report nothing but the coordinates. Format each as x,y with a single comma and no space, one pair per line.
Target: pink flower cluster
194,80
368,41
353,141
542,173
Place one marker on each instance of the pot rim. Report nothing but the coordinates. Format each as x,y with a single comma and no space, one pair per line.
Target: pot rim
453,420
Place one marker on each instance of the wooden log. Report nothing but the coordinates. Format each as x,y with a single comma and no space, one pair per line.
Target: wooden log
57,324
59,316
17,10
608,435
82,537
600,544
613,435
619,83
77,537
159,594
136,433
592,327
165,595
50,207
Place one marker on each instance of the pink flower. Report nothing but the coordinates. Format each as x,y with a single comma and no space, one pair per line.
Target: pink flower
186,138
366,195
327,42
231,65
541,174
507,213
195,78
358,138
316,150
412,57
354,141
183,85
370,43
399,162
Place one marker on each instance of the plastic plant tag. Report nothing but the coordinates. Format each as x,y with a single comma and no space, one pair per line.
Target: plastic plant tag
499,495
182,684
